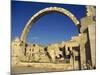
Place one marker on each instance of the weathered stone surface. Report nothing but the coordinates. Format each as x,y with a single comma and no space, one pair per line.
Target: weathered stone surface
91,10
92,36
58,56
45,11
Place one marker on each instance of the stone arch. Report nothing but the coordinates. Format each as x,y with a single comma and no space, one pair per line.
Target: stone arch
42,12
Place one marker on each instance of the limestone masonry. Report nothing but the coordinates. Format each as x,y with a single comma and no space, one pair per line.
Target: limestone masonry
75,54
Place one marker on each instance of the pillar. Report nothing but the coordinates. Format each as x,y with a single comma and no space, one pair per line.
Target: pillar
72,59
83,39
76,62
92,39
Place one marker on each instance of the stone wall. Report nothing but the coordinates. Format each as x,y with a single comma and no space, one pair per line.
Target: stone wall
64,52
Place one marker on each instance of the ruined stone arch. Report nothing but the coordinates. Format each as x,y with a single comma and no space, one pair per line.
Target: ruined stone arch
42,12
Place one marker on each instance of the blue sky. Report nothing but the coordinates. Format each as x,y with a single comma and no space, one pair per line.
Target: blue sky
50,28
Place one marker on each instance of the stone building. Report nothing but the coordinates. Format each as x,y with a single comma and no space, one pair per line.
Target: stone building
17,53
36,53
79,52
